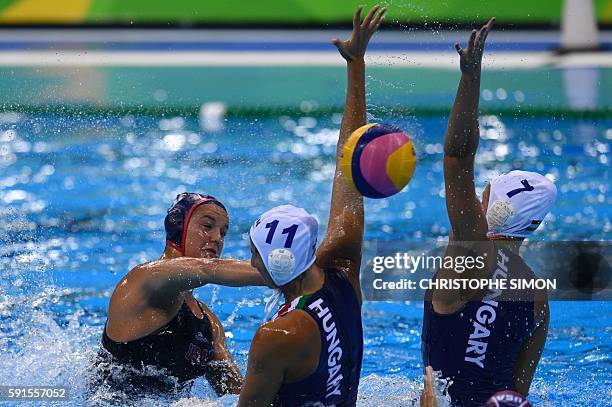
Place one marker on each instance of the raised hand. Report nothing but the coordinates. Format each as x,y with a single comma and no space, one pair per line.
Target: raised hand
354,48
471,57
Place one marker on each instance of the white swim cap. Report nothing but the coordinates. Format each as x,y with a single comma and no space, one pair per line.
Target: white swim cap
518,202
286,239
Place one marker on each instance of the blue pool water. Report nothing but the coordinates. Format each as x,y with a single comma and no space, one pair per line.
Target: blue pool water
82,201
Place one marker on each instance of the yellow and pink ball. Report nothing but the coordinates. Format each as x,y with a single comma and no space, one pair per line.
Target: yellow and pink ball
378,160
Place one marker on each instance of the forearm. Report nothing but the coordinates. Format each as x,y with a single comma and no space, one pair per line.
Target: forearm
231,273
186,273
224,376
345,226
461,142
355,105
341,246
462,135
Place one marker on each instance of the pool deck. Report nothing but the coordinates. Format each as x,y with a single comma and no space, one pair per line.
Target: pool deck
266,48
164,71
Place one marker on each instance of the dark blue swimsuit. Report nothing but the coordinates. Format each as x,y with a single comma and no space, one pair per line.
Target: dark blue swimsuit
477,346
336,310
183,348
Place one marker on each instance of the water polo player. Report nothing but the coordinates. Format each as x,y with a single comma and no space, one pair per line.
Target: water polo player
310,352
153,318
485,340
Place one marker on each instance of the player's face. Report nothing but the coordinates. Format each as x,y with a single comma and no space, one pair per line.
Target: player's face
258,263
206,232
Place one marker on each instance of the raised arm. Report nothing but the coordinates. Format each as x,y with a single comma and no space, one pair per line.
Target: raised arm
341,247
465,211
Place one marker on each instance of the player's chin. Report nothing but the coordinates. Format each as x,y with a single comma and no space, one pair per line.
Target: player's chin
268,280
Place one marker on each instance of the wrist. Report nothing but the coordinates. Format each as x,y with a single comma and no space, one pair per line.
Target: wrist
357,61
472,76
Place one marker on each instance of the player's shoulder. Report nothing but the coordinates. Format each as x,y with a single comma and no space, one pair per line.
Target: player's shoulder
132,283
137,276
294,329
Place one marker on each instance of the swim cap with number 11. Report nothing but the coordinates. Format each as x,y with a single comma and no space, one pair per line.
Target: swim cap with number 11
286,239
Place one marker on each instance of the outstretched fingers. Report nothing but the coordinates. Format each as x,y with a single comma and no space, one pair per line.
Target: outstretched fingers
368,18
459,49
472,40
378,19
357,17
355,46
490,23
487,29
483,34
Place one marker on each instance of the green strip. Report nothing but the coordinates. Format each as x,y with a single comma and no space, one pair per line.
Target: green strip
6,3
302,302
322,12
265,112
325,11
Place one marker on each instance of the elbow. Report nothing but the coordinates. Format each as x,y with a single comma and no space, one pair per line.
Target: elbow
206,270
461,142
459,165
460,152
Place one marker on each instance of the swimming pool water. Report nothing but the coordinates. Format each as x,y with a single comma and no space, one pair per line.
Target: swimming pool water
82,201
